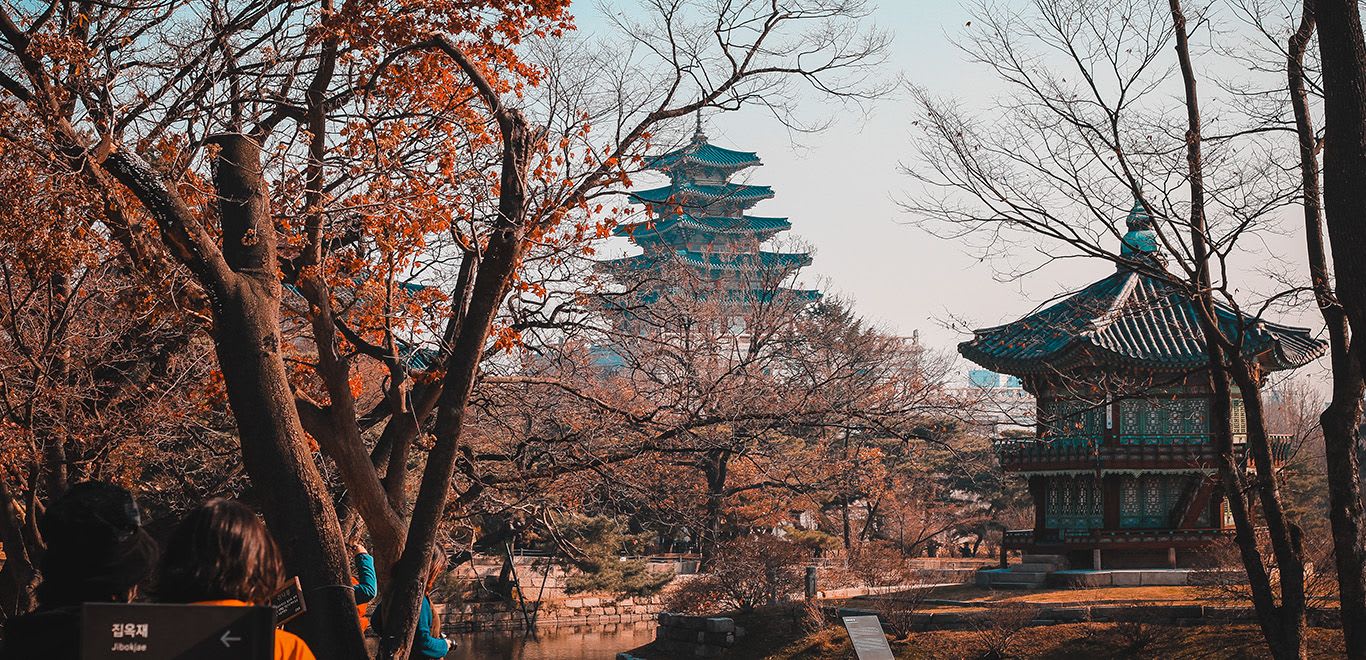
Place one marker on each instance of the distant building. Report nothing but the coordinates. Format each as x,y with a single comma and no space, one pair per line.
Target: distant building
699,222
1001,401
1122,464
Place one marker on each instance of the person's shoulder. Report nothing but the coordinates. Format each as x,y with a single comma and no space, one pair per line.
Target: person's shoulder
289,646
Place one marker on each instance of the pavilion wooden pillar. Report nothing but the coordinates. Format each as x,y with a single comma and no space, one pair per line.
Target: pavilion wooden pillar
1111,487
1038,492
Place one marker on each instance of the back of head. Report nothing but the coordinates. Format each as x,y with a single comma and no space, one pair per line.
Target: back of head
97,550
220,551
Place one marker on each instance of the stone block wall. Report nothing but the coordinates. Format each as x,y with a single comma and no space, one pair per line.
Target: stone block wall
573,610
696,636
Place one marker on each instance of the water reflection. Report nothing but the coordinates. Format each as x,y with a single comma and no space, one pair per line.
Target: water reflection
591,642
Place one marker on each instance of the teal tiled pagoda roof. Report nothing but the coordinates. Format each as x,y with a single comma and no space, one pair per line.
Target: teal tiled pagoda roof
748,224
734,262
700,152
1130,319
688,194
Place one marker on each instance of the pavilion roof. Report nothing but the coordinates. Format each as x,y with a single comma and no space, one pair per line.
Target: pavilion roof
1132,319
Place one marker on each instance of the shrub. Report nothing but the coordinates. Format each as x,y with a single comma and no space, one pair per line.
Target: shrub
995,634
745,573
879,564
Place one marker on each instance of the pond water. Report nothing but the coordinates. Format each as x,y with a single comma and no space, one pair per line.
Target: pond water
592,642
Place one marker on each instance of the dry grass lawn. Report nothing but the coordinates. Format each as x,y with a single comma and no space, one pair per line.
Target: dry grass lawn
1062,642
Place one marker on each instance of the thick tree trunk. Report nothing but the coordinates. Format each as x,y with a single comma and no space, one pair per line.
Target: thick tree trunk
1341,420
297,507
295,501
1342,49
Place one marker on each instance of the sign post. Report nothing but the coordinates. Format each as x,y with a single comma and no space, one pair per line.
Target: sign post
111,631
288,602
866,634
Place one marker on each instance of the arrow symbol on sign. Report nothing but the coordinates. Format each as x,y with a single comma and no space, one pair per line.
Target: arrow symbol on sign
228,638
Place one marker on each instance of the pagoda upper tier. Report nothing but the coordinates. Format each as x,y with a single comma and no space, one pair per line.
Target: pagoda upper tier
699,221
1134,318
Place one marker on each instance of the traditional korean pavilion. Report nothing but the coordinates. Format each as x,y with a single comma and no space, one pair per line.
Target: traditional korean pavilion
1122,469
699,221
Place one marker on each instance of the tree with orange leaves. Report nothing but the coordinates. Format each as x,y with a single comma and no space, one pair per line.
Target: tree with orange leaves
324,146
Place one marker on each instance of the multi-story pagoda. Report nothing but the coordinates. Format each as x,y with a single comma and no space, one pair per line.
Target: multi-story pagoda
1122,471
699,222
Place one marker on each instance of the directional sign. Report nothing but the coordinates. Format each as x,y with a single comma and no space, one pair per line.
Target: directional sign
866,634
112,631
288,602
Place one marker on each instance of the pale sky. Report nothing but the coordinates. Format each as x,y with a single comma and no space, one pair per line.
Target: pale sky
839,188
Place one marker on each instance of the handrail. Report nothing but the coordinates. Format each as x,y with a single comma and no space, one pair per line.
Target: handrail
1023,451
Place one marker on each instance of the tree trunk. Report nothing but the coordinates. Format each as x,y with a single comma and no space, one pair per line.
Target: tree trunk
295,501
1342,50
1287,544
1341,420
19,577
716,468
1282,625
497,266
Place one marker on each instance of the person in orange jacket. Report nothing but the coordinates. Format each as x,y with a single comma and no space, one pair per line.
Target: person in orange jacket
221,554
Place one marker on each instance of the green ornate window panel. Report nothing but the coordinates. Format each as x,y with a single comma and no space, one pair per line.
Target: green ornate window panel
1147,500
1164,421
1074,503
1071,423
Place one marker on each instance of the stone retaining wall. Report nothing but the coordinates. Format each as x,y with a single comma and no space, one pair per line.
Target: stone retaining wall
476,617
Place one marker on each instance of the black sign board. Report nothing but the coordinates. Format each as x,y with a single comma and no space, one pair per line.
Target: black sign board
288,602
176,632
866,634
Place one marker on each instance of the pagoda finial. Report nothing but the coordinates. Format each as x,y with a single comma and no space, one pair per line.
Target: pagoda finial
698,135
1139,219
1141,238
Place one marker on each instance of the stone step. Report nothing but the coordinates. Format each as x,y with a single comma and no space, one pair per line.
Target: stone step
1033,568
1016,584
1057,561
1026,575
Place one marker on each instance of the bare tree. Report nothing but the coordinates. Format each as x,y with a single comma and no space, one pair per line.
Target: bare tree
1067,157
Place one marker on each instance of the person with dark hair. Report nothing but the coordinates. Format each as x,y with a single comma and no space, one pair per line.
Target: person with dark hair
97,552
221,554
